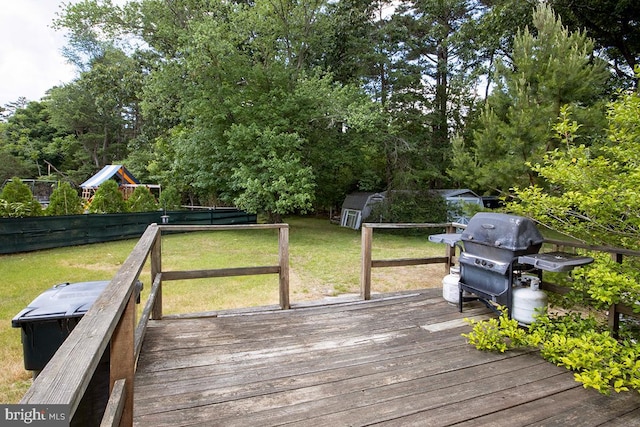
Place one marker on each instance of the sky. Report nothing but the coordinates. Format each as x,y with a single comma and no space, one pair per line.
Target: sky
31,61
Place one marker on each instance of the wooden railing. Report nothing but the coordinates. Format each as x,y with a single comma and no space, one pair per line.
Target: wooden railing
110,325
617,254
367,263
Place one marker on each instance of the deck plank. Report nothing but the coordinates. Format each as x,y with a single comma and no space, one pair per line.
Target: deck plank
396,361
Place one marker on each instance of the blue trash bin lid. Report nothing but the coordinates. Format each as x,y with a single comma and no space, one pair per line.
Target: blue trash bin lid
62,301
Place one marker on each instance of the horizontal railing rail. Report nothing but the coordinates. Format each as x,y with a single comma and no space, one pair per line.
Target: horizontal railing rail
110,325
366,244
617,254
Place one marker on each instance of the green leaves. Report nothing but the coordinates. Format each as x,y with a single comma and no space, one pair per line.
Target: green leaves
499,334
548,69
64,201
108,199
16,200
598,360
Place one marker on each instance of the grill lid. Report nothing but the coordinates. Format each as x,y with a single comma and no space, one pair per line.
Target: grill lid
509,232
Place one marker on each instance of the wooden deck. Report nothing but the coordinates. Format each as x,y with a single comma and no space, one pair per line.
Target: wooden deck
394,360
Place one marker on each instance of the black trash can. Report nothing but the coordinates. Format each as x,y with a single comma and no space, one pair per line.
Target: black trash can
48,321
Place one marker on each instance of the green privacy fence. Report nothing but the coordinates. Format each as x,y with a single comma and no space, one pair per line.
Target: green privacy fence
34,233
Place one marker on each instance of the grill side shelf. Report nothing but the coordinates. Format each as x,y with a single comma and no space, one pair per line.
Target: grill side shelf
555,261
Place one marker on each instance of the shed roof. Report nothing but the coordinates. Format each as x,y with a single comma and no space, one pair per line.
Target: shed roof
460,192
359,200
108,172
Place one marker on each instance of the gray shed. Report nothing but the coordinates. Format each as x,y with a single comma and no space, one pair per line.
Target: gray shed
357,207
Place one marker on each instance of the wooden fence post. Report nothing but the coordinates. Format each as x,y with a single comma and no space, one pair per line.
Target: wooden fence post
156,268
122,360
614,315
365,274
283,262
450,251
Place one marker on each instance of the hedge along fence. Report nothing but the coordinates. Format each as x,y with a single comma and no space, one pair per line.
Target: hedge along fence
35,233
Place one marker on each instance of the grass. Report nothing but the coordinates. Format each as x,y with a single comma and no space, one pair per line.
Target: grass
324,262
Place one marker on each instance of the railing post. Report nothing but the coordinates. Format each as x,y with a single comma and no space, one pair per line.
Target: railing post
122,361
450,251
614,315
283,262
156,268
365,273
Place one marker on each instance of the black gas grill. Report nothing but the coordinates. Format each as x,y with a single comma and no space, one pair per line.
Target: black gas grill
498,248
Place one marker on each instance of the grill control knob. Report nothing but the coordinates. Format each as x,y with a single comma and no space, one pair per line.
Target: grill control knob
477,261
484,263
490,265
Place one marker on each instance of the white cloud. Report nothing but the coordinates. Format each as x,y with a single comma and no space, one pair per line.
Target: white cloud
30,50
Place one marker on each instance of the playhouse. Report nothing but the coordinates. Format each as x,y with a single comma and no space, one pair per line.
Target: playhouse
126,181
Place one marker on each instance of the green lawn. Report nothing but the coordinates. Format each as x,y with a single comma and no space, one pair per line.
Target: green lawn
324,262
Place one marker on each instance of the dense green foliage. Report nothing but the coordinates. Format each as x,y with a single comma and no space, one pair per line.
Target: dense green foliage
580,344
108,199
141,200
169,199
64,201
548,69
404,206
287,107
16,200
593,196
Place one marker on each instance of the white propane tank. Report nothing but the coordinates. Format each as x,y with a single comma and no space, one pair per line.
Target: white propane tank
528,301
450,290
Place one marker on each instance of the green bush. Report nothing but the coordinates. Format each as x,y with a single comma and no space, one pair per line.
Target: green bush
108,199
169,199
64,201
580,344
410,206
16,200
142,200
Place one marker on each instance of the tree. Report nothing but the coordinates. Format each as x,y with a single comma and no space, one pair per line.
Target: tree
548,70
30,137
141,200
271,178
613,24
11,166
16,200
100,107
108,199
64,201
169,199
594,198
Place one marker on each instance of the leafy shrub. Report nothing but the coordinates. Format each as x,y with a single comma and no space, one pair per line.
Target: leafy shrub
141,200
64,201
580,344
410,206
499,334
16,200
108,199
169,199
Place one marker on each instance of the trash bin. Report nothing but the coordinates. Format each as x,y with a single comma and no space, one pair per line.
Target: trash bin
48,321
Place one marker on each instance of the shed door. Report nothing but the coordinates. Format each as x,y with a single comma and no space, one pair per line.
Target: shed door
351,218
